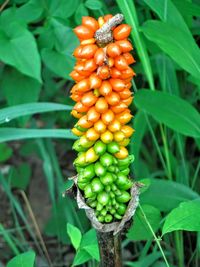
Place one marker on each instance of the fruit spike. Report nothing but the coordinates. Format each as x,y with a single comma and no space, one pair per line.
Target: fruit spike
102,94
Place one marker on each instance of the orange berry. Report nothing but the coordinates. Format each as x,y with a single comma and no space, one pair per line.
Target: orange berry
83,122
113,99
89,99
124,117
92,135
76,114
99,56
124,45
119,108
76,97
88,51
122,154
83,86
115,73
83,32
80,68
108,116
129,58
93,115
90,65
101,105
125,94
78,51
114,126
107,17
103,72
121,32
105,88
127,130
113,50
94,81
117,84
120,63
128,101
100,126
90,23
88,41
76,76
111,62
79,107
128,73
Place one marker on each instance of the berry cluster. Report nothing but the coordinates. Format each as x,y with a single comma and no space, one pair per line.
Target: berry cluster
102,95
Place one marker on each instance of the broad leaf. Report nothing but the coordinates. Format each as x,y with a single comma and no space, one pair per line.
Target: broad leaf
81,257
185,217
20,177
59,63
93,4
90,244
5,152
176,43
75,235
18,48
168,12
26,259
166,195
171,110
139,229
18,88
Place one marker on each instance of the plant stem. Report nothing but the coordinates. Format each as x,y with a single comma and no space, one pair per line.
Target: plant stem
110,249
155,237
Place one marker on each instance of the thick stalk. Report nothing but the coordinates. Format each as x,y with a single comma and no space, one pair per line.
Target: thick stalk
110,249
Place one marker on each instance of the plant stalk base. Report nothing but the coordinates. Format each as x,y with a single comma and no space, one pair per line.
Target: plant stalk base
110,249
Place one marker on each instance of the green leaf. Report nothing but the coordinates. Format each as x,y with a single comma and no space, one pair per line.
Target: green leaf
93,4
128,9
11,134
171,110
26,259
65,40
185,217
166,195
81,257
176,43
59,63
187,8
80,12
75,235
18,48
31,11
167,74
63,8
5,152
90,244
19,88
10,113
140,230
168,12
20,177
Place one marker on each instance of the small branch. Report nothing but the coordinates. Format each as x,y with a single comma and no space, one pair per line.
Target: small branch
4,5
104,34
110,249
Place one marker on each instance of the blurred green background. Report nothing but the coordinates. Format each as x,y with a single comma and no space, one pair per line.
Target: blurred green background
38,225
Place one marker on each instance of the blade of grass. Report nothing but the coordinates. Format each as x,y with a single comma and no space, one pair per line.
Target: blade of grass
8,240
10,113
129,11
11,134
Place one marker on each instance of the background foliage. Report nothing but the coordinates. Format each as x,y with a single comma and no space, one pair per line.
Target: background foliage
39,226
